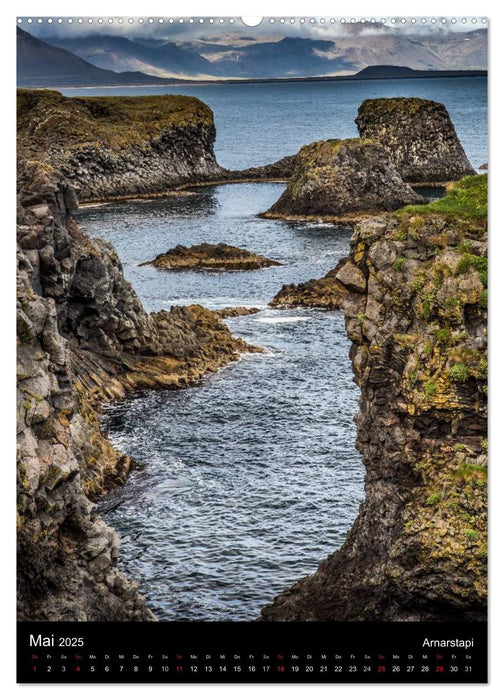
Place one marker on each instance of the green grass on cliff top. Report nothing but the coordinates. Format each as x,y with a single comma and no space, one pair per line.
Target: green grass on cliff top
466,199
45,118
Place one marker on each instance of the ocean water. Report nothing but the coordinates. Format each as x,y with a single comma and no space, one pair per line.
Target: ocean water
258,123
251,477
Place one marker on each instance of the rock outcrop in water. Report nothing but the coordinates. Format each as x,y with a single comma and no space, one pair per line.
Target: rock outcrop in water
235,311
343,179
119,146
83,337
419,137
278,171
325,293
281,169
218,256
418,327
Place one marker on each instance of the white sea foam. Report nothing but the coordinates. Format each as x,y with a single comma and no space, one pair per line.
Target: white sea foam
282,319
317,224
265,352
95,205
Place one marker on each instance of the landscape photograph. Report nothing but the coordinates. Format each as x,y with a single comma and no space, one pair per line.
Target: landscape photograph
251,320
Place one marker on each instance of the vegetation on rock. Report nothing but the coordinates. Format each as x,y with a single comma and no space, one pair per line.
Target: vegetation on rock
118,146
46,119
219,256
417,550
343,178
466,199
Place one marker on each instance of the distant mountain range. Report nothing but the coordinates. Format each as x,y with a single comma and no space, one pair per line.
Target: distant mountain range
42,65
92,60
358,48
290,57
118,53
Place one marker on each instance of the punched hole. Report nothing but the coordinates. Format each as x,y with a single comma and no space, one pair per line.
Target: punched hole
251,21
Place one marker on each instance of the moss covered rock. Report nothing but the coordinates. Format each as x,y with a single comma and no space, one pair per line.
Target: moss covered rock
118,146
219,256
343,178
418,327
419,137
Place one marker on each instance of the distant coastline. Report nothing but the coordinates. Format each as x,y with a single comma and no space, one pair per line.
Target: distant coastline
408,74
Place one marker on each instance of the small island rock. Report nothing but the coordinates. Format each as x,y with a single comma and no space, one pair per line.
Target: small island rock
235,311
218,256
419,137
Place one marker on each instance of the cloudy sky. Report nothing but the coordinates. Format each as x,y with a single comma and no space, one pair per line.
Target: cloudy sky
173,29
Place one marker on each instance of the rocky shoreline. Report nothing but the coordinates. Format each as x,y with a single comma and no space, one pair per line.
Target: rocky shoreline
84,338
325,293
413,290
417,320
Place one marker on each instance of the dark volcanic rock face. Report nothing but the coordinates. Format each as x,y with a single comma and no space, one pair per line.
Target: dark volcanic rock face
218,256
325,293
417,550
83,337
341,178
119,146
419,137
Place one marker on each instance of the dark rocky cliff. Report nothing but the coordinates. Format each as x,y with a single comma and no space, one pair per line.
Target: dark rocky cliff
83,337
416,315
119,146
342,178
418,136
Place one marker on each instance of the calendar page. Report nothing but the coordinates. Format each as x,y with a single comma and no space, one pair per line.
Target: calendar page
252,349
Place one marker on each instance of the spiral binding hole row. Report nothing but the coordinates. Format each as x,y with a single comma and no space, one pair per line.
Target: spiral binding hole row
232,20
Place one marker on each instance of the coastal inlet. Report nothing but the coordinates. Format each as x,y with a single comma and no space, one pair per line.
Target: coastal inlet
252,477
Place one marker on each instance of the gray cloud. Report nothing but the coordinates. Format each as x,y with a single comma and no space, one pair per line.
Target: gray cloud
232,27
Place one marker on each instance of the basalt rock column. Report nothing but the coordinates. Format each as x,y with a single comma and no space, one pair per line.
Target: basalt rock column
418,136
